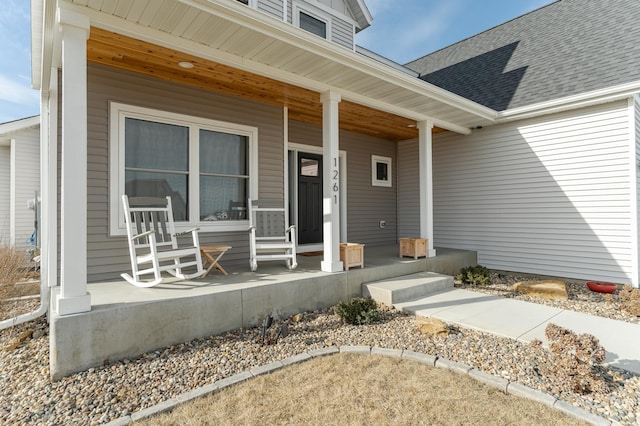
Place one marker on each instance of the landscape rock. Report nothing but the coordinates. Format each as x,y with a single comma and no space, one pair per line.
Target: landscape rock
431,326
546,289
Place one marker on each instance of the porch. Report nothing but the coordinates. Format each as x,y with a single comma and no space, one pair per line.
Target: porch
126,321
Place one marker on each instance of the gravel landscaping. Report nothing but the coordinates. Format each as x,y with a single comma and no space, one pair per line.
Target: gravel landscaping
102,394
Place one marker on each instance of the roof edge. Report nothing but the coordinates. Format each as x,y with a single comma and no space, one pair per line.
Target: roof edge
582,100
18,125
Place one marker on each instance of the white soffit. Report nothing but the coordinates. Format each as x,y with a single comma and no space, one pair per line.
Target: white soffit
231,33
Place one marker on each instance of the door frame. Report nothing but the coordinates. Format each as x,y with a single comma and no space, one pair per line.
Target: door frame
292,178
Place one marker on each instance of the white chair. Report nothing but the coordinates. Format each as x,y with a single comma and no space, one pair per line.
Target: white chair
153,242
270,237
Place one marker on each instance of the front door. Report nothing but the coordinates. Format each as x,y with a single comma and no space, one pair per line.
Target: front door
309,198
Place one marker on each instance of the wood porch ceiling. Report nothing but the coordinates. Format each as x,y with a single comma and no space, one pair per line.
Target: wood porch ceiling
119,51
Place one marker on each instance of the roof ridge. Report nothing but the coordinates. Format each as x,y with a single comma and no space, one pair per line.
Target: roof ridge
482,32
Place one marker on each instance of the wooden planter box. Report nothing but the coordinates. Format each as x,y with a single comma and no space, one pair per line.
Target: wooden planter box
413,247
352,254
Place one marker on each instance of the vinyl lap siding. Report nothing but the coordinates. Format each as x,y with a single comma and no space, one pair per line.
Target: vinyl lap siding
342,33
108,256
27,181
5,194
272,7
547,196
408,189
367,205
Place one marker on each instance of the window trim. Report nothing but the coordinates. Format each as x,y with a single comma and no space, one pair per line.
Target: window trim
375,160
314,13
117,114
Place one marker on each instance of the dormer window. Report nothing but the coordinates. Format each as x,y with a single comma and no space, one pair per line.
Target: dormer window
244,1
312,19
313,25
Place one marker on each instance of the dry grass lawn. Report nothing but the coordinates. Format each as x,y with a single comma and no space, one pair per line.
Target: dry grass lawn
349,389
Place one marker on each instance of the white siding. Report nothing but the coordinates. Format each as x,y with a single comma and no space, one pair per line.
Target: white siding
25,170
342,33
5,194
272,7
408,189
548,195
637,171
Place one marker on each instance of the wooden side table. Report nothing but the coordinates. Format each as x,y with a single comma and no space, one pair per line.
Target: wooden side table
352,254
413,247
212,255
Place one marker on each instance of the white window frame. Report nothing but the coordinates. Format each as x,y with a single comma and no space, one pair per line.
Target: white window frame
119,112
313,12
375,160
252,3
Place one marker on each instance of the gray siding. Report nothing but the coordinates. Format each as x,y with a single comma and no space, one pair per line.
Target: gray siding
26,168
366,204
637,171
108,256
5,194
547,195
408,189
272,7
342,33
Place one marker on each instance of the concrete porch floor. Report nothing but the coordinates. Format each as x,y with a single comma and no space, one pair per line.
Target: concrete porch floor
126,321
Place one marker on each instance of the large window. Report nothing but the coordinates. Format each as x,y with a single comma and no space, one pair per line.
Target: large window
208,168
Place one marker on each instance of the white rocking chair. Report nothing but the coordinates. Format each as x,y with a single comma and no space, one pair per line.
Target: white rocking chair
153,242
270,237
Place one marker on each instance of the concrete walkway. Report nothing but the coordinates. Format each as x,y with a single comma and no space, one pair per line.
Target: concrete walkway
526,321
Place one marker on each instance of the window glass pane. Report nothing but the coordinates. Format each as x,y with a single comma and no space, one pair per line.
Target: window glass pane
223,153
309,167
313,25
382,171
223,198
158,146
151,184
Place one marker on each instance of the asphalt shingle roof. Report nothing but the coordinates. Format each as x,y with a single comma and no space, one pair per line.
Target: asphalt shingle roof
566,48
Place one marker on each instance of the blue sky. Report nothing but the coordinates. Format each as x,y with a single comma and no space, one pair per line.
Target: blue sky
402,30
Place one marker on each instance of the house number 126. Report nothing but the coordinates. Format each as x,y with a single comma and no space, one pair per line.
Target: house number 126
335,178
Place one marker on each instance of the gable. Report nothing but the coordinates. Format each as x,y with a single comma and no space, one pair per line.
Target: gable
566,48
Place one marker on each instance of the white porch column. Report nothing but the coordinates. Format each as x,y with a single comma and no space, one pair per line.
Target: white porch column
331,182
73,297
426,183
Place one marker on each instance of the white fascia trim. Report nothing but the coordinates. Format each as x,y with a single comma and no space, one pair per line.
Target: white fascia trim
610,94
19,125
130,29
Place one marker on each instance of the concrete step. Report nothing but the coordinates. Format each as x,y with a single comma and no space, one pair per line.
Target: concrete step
407,287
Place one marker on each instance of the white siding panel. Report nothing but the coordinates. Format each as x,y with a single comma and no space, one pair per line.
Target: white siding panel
27,182
548,195
408,189
272,7
108,256
5,194
342,33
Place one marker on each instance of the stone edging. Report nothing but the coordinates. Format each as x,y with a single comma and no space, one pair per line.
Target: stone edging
511,388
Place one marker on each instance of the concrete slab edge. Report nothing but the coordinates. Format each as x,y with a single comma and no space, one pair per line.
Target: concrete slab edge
512,388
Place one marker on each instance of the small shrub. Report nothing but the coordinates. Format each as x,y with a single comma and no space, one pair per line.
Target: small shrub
358,311
575,357
630,300
474,275
12,270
